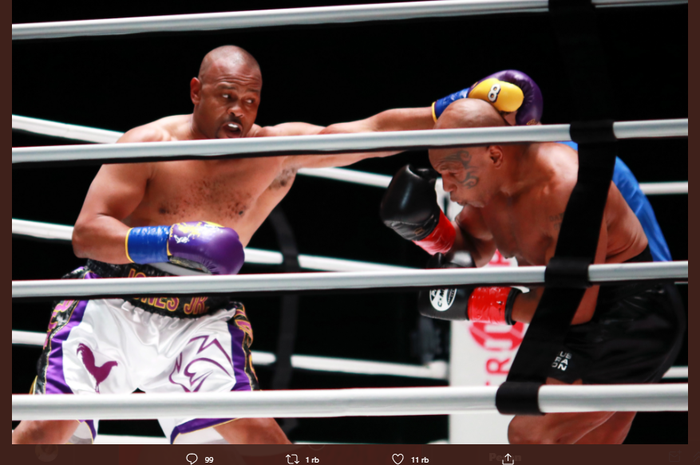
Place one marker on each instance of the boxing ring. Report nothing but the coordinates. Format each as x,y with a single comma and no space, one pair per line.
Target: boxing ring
339,274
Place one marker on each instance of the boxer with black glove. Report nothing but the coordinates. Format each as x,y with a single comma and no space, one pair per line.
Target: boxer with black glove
483,304
514,91
409,207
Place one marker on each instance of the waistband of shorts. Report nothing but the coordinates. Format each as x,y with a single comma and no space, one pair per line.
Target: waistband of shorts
644,256
616,292
178,307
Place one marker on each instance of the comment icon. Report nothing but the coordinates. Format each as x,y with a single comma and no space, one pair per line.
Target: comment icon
191,458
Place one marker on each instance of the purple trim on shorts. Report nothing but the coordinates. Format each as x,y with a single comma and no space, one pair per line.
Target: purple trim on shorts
91,425
55,380
196,425
239,358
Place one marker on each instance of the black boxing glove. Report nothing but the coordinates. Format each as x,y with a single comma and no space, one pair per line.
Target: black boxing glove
410,208
483,304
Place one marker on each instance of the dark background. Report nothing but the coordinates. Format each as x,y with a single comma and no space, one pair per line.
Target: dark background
322,75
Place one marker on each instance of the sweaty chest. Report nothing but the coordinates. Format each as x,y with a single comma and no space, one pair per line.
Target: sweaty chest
227,193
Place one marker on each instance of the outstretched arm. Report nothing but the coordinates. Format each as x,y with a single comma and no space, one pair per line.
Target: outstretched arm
399,119
404,119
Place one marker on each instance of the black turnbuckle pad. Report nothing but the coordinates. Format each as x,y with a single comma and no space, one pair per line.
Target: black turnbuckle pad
518,398
567,272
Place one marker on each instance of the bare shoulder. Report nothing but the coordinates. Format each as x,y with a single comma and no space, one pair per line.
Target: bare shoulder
552,196
150,132
265,131
551,201
165,129
616,206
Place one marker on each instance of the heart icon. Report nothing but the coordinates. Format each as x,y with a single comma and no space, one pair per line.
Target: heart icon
397,458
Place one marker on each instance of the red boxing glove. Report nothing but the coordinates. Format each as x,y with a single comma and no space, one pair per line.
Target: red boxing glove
492,304
482,304
441,239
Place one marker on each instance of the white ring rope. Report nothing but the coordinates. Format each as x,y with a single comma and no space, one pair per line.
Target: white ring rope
433,370
66,131
346,175
88,134
295,16
255,256
286,282
345,402
664,188
677,373
48,231
333,143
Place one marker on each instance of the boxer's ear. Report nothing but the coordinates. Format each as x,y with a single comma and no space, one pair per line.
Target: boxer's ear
195,90
496,155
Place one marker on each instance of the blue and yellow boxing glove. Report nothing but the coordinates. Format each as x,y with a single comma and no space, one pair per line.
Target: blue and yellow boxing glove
507,91
201,245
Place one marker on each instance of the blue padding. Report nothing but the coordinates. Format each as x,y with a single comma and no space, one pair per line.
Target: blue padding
148,244
629,188
445,102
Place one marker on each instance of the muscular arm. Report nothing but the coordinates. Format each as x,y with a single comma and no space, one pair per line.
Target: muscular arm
400,119
114,194
404,119
473,236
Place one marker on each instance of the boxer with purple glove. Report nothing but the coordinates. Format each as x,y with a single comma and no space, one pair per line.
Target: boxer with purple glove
201,245
159,343
508,91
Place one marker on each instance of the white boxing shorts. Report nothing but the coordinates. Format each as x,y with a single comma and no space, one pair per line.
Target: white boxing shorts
114,347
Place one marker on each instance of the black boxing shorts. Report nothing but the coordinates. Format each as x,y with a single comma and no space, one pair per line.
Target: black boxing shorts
634,336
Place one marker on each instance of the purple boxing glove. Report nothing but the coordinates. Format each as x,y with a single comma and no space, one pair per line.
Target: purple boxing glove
507,91
196,244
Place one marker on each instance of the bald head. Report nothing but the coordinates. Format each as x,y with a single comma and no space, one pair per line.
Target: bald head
469,113
476,174
226,94
226,56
